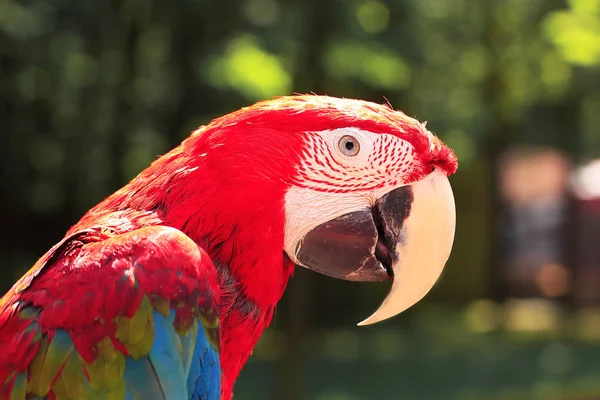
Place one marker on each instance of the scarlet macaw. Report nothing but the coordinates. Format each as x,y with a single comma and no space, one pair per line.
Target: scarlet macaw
162,290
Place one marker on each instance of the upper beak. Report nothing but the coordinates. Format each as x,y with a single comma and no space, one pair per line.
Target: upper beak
407,236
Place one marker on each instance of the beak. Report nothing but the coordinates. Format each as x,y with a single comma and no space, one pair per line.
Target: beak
406,236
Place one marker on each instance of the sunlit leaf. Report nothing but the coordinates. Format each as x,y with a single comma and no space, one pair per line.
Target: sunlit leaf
373,16
373,64
250,70
585,6
576,32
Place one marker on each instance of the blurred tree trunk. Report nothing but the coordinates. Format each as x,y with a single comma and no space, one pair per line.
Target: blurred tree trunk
308,78
195,36
501,132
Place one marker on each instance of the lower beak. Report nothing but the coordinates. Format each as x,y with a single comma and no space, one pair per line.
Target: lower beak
407,236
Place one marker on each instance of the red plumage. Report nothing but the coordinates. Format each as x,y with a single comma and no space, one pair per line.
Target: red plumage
224,188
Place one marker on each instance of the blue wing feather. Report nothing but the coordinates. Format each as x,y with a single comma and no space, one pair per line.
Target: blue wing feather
188,344
141,379
166,359
204,379
178,367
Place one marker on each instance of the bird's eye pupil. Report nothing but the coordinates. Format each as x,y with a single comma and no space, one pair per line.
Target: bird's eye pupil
349,145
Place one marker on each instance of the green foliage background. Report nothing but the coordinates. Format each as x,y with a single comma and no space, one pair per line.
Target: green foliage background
91,92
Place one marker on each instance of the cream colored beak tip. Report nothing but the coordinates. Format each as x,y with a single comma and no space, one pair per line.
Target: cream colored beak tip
429,232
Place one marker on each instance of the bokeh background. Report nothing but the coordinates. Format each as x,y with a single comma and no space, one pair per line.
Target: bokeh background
92,91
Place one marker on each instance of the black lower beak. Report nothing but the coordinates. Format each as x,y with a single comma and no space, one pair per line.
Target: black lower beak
359,246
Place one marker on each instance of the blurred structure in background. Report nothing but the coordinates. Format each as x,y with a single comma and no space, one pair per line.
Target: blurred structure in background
550,227
534,225
91,92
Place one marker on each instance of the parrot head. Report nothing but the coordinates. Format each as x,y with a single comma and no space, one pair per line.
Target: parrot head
346,188
371,202
397,222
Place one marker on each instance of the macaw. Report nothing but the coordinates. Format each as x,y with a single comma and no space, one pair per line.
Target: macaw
162,290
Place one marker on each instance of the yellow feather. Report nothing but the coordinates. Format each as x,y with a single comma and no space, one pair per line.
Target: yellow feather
131,330
34,384
58,350
161,305
144,345
70,383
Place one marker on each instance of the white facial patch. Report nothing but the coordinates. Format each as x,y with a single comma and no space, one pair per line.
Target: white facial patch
332,184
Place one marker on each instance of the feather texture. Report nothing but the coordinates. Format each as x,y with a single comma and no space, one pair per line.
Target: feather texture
130,322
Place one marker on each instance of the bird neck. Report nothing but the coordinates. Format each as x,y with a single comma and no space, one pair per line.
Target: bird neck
242,324
241,227
252,279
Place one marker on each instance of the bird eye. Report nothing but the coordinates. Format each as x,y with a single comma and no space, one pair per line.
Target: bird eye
349,146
